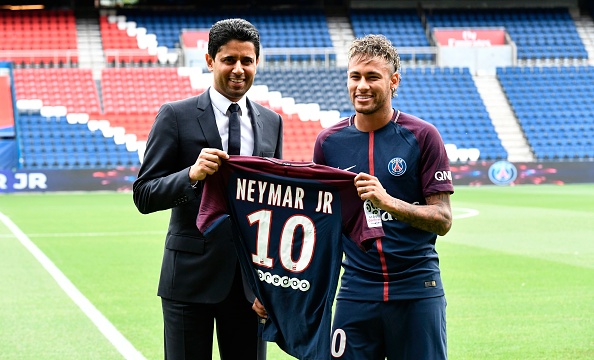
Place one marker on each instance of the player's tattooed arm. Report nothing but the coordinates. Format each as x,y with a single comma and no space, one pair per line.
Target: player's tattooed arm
434,217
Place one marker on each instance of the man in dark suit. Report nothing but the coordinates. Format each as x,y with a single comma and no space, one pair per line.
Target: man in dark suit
200,279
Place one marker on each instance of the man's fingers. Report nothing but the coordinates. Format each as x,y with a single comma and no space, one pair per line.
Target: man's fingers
259,309
214,152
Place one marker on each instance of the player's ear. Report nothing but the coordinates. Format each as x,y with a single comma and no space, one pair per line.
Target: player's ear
395,81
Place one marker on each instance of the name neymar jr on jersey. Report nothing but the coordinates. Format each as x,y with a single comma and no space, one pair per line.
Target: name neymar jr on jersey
264,192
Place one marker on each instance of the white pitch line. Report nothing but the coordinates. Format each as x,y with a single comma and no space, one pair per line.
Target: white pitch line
95,234
468,212
87,234
103,324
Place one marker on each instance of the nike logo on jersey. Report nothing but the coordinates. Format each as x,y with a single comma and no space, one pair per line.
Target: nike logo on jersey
349,168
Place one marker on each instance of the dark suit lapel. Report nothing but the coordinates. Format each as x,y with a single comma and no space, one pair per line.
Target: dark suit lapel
257,126
207,121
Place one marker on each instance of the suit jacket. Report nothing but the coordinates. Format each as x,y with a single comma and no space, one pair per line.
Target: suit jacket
194,269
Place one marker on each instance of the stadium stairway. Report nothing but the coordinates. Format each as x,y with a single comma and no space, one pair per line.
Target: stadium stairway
502,116
90,48
585,28
123,44
341,34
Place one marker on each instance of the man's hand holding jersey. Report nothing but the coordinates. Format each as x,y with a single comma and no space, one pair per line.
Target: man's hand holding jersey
207,163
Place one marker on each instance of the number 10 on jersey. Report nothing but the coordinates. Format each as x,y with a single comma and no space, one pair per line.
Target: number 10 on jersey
263,219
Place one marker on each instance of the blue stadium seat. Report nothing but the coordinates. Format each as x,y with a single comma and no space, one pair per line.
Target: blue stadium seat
408,33
462,120
538,33
278,29
558,126
56,144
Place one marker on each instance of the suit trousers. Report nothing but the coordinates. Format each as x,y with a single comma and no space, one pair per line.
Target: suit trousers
188,327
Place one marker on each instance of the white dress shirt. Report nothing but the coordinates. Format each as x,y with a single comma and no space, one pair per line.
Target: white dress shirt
220,105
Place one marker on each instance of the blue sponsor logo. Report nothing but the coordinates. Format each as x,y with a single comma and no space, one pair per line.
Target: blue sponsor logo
503,173
397,166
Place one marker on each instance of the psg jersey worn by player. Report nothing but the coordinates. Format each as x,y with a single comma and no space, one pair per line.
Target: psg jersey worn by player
409,159
290,218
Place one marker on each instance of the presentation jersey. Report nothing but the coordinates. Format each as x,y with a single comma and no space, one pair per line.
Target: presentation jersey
408,157
290,218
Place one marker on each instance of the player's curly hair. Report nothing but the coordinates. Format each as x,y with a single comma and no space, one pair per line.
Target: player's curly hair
374,45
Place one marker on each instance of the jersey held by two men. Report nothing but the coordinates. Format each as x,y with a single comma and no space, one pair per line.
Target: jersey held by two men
290,218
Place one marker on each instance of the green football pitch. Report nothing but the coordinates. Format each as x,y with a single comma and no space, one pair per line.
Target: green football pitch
79,272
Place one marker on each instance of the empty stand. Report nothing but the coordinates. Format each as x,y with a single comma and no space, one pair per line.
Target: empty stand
125,101
538,34
295,29
56,143
70,87
38,37
557,120
123,47
142,90
403,27
448,98
132,96
323,86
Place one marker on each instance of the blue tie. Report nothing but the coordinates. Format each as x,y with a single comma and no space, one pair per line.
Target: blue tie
234,130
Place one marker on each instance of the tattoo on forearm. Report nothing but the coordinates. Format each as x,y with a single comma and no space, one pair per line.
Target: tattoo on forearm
434,217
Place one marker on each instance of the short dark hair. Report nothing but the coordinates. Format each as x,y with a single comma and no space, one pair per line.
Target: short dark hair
226,30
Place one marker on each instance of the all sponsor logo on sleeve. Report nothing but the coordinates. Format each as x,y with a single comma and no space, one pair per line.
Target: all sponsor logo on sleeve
372,214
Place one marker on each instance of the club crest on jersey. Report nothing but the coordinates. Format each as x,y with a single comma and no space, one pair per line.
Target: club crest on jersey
397,166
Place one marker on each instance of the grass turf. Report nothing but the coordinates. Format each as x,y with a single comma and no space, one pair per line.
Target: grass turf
518,276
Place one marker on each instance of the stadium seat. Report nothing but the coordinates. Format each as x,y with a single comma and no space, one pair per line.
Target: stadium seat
569,113
70,87
538,33
56,144
39,37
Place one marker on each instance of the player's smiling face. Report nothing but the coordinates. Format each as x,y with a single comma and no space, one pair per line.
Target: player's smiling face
233,68
370,81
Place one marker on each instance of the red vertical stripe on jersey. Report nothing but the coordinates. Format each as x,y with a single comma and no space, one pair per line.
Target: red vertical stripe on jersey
379,241
370,152
384,267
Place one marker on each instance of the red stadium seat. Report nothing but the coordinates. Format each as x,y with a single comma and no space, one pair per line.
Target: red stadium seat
39,37
121,48
71,87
